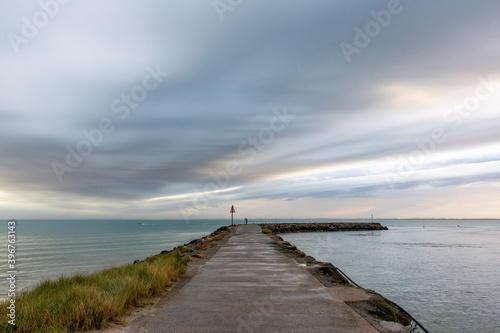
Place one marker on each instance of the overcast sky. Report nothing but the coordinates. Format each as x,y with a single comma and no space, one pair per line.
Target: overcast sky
179,109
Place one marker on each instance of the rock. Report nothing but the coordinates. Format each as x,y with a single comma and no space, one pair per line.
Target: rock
282,228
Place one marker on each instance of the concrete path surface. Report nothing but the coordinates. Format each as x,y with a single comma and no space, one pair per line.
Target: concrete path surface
249,285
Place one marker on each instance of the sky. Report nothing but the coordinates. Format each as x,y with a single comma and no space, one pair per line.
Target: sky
284,109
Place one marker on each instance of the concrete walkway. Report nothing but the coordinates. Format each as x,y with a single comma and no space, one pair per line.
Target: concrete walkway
250,286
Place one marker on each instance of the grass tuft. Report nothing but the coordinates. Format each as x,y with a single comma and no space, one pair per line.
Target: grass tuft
210,241
299,253
83,302
197,255
385,311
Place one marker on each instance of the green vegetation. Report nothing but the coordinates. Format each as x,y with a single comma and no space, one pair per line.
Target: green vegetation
385,311
285,247
83,302
210,241
299,253
330,272
266,231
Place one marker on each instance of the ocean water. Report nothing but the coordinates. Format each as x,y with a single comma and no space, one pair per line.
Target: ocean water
446,274
50,248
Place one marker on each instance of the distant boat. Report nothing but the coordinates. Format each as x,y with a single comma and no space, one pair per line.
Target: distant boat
140,223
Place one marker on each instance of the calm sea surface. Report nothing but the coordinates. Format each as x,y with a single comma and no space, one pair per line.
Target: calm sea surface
48,248
446,274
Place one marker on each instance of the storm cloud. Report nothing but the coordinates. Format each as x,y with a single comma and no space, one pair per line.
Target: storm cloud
180,109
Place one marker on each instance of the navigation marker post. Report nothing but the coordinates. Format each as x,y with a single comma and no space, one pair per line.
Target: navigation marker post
232,211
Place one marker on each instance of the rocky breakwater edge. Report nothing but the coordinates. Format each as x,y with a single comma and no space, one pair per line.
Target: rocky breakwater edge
194,248
284,228
382,313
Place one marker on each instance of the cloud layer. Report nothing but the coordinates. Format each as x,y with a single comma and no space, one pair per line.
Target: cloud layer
152,109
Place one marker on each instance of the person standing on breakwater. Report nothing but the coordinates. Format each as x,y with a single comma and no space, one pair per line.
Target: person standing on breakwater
246,220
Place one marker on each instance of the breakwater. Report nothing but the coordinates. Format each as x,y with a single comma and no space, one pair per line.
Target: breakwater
253,284
283,228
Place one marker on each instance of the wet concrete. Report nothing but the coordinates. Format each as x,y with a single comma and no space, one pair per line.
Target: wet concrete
250,286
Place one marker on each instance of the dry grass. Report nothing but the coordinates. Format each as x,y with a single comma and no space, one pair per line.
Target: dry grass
210,241
299,253
84,302
197,255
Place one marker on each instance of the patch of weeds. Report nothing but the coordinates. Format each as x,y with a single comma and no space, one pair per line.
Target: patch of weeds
286,248
299,253
329,271
266,231
209,241
310,260
385,311
197,255
89,301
